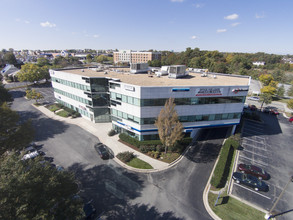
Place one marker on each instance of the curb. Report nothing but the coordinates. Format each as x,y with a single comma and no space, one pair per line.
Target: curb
55,117
206,192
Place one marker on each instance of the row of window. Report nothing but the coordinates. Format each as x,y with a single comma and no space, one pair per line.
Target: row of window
188,118
177,101
77,98
85,113
72,84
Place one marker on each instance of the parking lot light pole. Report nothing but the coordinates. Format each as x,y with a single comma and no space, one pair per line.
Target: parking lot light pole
268,216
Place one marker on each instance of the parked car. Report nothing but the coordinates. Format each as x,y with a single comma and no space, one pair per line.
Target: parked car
252,107
253,170
102,151
251,181
291,119
271,110
253,98
31,155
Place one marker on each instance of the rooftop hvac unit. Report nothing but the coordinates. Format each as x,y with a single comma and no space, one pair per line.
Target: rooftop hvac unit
177,71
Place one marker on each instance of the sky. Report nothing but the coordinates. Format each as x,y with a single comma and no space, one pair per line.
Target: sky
224,25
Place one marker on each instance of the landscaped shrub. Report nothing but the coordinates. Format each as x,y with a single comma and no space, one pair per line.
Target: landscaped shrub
160,148
112,132
222,169
125,156
128,139
147,148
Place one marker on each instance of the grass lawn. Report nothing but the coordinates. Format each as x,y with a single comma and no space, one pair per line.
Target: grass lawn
63,113
140,164
53,108
229,208
169,157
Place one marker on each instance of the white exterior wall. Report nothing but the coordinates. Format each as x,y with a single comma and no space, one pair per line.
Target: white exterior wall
182,110
73,78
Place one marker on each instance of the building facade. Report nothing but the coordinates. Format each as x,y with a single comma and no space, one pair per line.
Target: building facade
132,102
128,56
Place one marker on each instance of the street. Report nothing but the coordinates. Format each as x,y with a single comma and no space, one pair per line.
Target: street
175,193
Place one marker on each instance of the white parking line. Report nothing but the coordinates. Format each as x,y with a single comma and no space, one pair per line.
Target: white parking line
250,139
254,125
254,162
255,153
259,128
253,146
250,131
252,191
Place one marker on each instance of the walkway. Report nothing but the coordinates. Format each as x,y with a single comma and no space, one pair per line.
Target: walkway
101,130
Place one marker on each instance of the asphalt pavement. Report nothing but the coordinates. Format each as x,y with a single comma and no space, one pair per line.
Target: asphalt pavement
175,193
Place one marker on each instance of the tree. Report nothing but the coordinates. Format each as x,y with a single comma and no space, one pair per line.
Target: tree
290,91
169,128
31,72
34,190
290,104
265,98
280,91
33,94
269,89
266,79
101,58
13,135
4,95
10,58
42,61
89,58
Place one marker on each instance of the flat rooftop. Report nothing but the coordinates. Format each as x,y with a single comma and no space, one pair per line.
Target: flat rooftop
194,79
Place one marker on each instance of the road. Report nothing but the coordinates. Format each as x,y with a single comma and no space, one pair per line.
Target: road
172,194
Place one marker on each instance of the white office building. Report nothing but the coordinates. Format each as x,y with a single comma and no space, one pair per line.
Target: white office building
132,102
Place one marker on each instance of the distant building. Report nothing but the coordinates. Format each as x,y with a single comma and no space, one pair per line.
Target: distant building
9,69
128,56
259,63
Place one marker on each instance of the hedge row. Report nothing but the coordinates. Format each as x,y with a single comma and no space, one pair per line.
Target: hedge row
153,145
222,169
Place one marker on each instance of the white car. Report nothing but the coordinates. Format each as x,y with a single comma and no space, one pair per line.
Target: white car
31,155
253,98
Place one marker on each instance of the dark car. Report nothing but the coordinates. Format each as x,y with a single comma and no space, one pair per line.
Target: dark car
253,170
250,181
102,150
271,110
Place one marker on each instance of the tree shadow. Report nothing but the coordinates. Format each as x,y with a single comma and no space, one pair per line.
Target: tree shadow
110,188
203,152
46,128
139,211
17,93
208,144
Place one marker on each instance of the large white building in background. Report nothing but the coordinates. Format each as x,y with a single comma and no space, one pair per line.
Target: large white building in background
132,102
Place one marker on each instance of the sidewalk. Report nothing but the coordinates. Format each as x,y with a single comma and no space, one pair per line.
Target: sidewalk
101,130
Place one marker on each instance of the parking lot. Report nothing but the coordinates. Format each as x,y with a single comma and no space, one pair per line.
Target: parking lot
268,145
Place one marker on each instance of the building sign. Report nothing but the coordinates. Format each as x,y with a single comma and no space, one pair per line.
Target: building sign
129,88
209,92
82,107
239,90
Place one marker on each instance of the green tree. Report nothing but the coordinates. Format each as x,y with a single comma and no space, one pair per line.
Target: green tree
34,190
33,94
42,61
280,91
290,91
169,128
266,79
13,135
290,104
265,98
10,58
31,72
89,58
101,59
4,94
269,89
